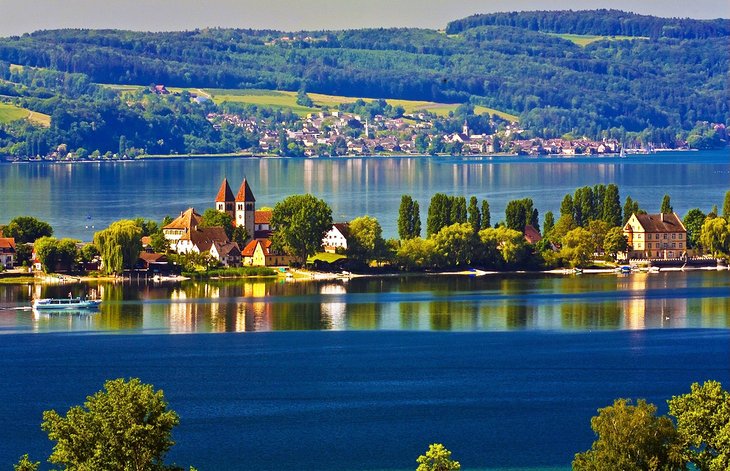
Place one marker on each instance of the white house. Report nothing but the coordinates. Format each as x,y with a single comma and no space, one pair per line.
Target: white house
336,237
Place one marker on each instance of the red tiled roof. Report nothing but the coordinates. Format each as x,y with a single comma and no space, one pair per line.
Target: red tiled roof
224,193
262,217
660,222
245,194
250,248
7,243
203,237
153,257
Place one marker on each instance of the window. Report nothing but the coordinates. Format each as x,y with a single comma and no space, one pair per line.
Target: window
680,236
674,236
665,237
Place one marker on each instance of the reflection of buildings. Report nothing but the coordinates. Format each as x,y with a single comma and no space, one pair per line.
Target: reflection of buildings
650,304
333,313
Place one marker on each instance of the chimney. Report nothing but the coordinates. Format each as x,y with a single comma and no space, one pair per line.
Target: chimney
662,216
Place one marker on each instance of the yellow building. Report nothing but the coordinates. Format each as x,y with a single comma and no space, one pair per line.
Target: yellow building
657,236
258,253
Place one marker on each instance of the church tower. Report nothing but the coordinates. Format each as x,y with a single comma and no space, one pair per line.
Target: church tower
465,129
246,209
224,201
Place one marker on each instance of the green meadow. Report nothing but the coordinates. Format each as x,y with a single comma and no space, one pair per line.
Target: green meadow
10,113
583,40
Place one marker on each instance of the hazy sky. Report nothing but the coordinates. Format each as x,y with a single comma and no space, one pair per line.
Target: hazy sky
22,16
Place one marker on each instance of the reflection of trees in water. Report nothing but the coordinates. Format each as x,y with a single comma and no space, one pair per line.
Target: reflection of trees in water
410,314
363,316
587,315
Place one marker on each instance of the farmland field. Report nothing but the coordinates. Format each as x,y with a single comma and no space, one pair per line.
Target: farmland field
585,39
10,113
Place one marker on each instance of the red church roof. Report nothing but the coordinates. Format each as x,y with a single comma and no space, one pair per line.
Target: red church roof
245,194
225,194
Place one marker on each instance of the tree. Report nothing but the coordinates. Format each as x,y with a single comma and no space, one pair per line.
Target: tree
598,230
458,210
456,244
520,213
437,458
119,245
715,237
475,218
417,253
578,247
366,239
630,207
548,223
25,464
159,243
666,205
726,206
148,227
88,252
615,241
486,215
693,221
56,255
26,229
240,235
612,206
703,423
510,246
439,214
125,427
214,218
566,206
409,218
631,438
299,223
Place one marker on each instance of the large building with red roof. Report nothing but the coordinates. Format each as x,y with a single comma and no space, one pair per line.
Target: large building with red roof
656,236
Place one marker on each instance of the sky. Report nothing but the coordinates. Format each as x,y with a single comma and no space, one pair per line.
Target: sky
23,16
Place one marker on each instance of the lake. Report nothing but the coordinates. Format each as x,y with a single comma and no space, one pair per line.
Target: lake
505,370
79,199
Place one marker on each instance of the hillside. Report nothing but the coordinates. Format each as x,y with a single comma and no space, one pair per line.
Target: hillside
594,73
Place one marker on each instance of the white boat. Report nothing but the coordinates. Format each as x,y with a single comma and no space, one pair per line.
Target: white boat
57,304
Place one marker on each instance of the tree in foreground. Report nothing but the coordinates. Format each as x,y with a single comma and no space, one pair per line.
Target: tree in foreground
703,423
214,218
125,427
367,241
693,221
631,438
715,237
726,206
300,222
25,464
666,205
437,458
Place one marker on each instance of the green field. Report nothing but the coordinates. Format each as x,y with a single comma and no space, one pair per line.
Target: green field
585,39
10,113
288,100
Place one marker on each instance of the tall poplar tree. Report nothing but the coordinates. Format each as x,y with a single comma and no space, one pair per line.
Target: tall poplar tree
439,214
475,218
726,206
409,218
611,205
486,215
666,205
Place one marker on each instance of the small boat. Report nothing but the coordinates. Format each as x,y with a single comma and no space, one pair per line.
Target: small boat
625,269
57,304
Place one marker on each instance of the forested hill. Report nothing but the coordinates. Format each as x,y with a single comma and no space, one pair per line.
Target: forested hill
598,22
658,76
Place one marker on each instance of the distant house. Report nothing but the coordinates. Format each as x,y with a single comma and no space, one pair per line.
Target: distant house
336,237
229,254
185,234
159,90
258,253
532,235
262,223
156,263
656,236
7,252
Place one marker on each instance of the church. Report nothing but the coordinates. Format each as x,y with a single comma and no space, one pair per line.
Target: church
242,209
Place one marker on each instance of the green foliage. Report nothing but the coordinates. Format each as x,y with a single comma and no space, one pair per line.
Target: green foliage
159,243
214,218
27,229
458,210
631,438
299,223
125,427
437,458
578,247
240,236
88,252
666,207
237,272
630,207
486,215
693,221
715,237
456,244
615,241
25,464
726,206
475,218
409,218
503,247
703,423
548,223
612,206
417,254
439,214
56,255
147,227
119,245
520,213
366,239
564,225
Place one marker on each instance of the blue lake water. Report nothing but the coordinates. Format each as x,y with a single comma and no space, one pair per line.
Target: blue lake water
73,198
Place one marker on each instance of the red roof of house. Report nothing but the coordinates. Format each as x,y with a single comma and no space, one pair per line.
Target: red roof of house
250,248
262,217
7,244
188,219
532,235
153,257
244,193
225,195
203,237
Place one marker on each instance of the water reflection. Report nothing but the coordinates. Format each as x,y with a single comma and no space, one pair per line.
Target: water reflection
492,303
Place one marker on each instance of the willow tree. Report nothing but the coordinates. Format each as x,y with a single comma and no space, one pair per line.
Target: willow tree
119,245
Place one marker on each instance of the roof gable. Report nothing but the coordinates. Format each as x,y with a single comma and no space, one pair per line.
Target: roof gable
188,219
245,195
225,195
668,222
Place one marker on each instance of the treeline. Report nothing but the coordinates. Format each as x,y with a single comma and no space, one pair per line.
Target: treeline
598,22
652,87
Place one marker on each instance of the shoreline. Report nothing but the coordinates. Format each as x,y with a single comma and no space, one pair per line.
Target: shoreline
301,275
